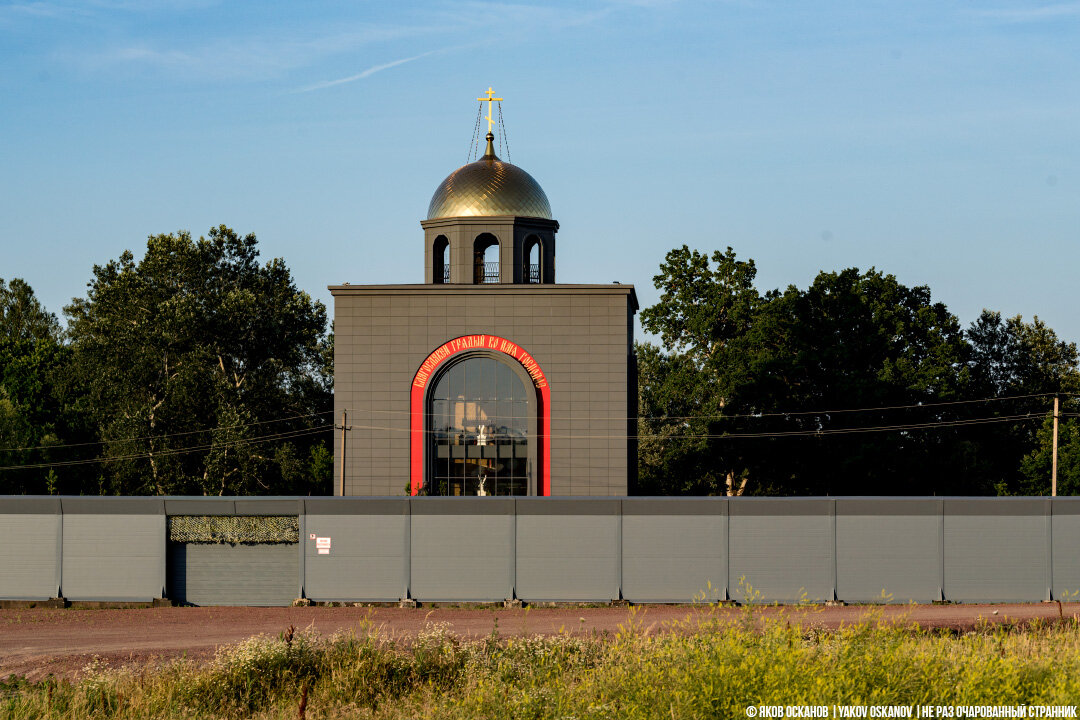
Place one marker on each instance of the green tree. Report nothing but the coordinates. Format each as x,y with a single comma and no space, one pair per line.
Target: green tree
855,340
198,361
1035,467
1013,358
22,316
36,415
706,318
740,366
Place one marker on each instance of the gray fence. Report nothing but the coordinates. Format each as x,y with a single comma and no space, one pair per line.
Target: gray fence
551,549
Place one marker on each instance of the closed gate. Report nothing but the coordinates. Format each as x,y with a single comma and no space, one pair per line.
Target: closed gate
225,574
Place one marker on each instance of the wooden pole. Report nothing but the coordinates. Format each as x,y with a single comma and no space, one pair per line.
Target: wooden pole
343,428
1053,470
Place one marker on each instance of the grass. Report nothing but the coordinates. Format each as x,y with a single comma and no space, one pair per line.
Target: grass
714,669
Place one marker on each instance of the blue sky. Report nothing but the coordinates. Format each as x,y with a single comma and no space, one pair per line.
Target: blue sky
938,141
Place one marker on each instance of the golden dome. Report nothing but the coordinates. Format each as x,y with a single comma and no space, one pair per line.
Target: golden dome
489,186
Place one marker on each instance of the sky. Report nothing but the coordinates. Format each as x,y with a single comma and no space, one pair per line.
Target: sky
935,140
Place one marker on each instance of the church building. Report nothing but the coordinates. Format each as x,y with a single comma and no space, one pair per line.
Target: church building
489,378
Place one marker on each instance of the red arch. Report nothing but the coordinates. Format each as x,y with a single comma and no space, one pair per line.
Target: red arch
456,347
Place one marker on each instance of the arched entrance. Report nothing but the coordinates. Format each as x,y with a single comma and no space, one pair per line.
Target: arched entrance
480,422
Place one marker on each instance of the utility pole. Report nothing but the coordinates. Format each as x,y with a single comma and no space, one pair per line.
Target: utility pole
345,426
1053,470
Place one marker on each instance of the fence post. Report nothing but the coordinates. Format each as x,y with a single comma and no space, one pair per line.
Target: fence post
406,592
941,554
727,548
619,551
1049,549
303,548
832,510
513,555
164,550
60,552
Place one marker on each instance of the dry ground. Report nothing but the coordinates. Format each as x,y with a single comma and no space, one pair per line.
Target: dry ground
40,641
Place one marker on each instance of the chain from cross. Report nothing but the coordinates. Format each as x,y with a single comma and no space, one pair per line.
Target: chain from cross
489,99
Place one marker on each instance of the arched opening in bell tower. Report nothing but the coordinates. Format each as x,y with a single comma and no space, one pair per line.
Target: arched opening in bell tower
485,259
440,258
532,270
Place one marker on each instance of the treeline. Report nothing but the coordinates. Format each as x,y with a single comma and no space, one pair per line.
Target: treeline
856,385
200,370
197,370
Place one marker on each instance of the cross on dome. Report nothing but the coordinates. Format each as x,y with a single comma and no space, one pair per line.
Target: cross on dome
489,99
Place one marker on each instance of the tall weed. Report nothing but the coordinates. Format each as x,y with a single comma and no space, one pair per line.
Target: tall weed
693,669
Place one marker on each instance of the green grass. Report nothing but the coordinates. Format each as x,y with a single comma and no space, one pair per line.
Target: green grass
715,669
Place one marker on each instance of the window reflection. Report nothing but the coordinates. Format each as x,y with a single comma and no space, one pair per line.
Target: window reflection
479,419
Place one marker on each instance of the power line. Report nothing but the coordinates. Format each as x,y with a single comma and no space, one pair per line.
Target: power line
857,410
879,428
779,433
289,434
688,436
792,433
735,416
168,435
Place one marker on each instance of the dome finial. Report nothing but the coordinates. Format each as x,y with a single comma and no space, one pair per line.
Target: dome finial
490,152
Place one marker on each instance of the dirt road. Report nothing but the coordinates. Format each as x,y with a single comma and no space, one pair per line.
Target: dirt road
39,641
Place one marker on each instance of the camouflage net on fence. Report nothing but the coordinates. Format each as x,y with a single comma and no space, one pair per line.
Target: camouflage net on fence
214,529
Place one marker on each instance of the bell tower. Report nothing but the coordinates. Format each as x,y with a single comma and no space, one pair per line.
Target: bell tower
489,378
489,222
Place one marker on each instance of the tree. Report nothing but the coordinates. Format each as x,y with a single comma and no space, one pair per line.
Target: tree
35,415
706,319
22,317
675,456
743,371
1035,467
202,365
1027,361
852,341
1012,357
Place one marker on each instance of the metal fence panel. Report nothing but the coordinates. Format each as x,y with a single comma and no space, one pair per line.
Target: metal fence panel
1065,521
113,549
30,541
560,549
367,558
568,549
461,549
888,549
780,549
997,549
674,549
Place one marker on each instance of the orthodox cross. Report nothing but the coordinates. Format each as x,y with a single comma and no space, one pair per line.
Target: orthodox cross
489,99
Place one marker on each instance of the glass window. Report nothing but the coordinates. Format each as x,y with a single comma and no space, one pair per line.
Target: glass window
478,420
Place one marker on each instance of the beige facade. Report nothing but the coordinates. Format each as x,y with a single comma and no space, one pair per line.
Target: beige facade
581,336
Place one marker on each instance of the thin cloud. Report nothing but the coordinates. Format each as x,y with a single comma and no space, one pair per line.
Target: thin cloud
244,59
365,73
